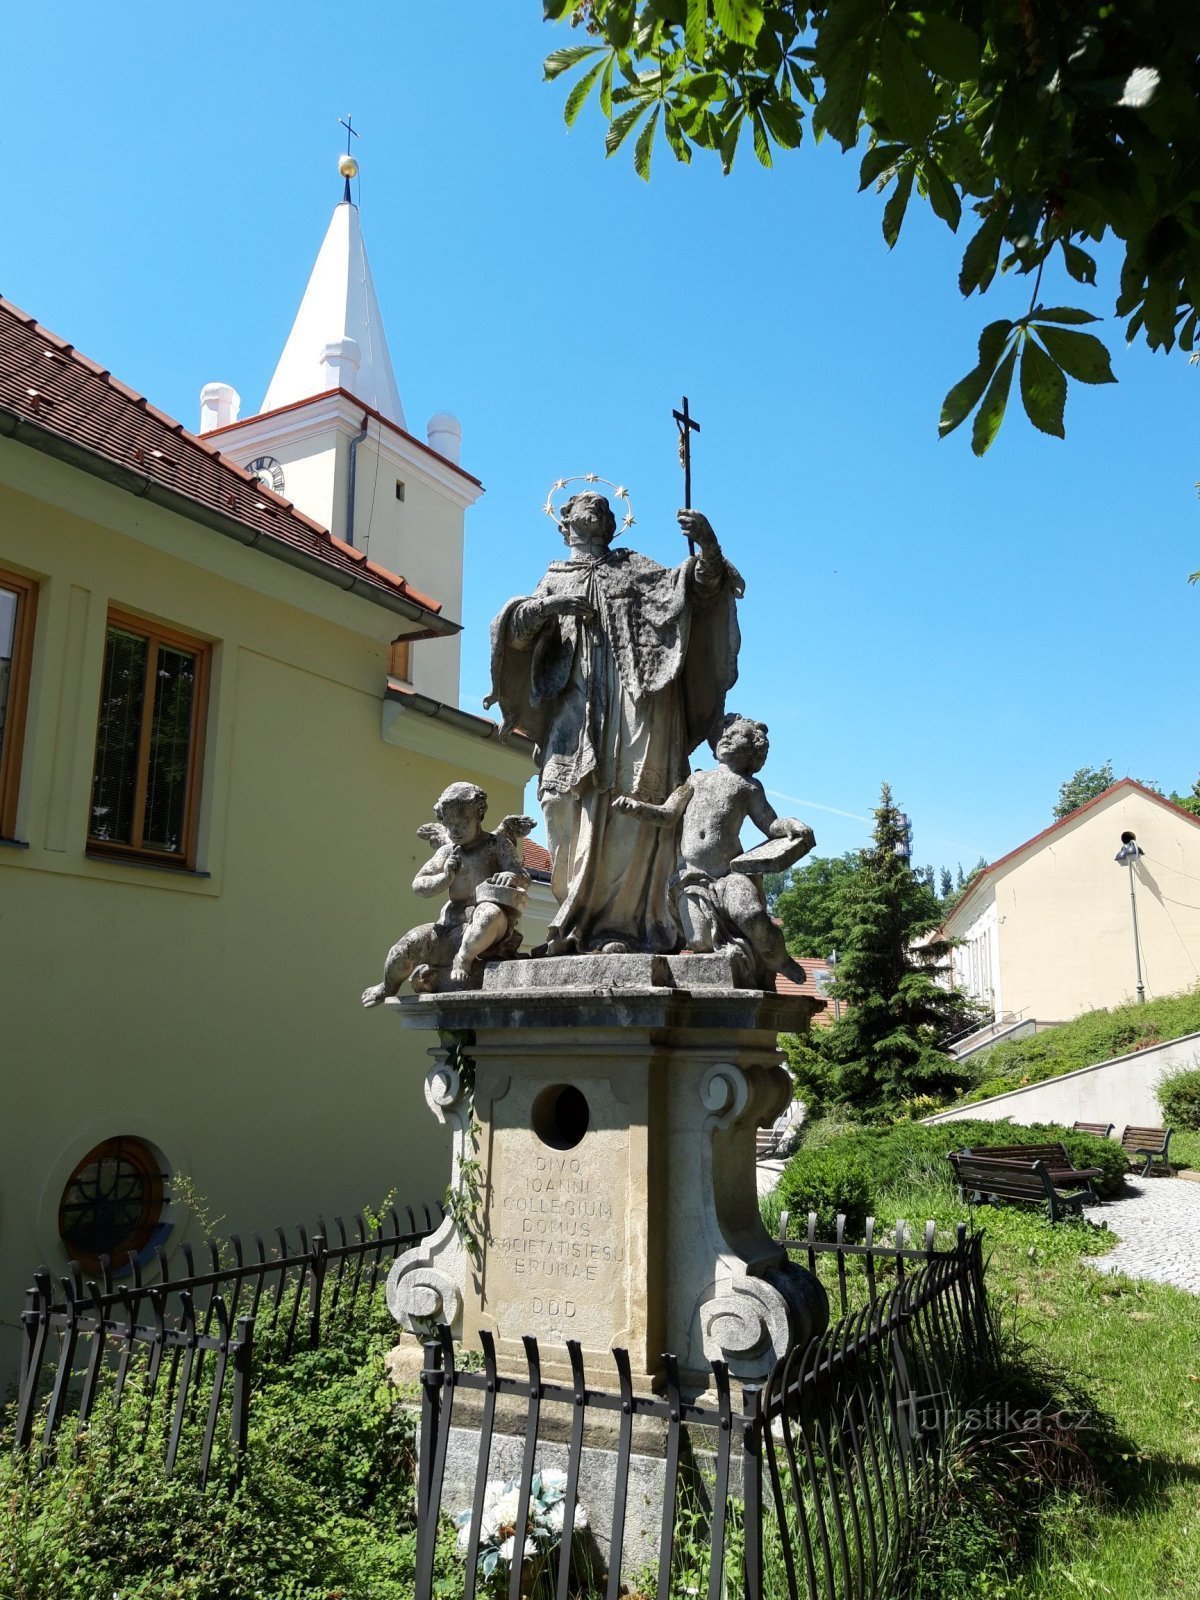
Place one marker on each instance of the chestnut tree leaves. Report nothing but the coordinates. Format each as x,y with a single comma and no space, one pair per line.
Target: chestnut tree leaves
1037,129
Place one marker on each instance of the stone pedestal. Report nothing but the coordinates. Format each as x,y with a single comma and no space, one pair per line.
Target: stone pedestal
616,1101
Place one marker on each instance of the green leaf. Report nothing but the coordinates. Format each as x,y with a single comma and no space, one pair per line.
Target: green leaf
606,86
980,256
943,196
622,126
739,20
1079,264
893,212
580,93
641,150
619,18
1081,355
553,10
703,87
696,28
878,159
558,61
1043,389
947,47
786,122
762,145
840,105
907,96
1062,314
964,397
991,413
729,141
680,148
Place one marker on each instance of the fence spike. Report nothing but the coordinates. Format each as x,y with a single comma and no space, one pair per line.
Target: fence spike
525,1488
783,1226
671,1473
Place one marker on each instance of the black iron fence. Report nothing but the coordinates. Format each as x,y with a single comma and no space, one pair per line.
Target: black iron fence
817,1483
184,1344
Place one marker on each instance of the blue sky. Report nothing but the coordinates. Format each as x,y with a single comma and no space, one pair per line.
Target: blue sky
971,631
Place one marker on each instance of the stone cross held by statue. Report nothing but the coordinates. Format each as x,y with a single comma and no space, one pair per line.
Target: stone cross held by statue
687,425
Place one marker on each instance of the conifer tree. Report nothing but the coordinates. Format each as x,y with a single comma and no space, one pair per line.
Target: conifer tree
947,883
885,1049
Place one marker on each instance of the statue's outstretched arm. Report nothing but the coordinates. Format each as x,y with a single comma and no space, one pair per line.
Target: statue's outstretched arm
661,816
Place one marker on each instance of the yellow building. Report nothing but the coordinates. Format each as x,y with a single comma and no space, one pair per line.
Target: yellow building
220,727
1048,931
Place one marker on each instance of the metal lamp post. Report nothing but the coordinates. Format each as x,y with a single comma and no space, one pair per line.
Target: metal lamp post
1127,857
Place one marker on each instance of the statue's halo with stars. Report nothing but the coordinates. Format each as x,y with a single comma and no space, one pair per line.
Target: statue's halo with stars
590,478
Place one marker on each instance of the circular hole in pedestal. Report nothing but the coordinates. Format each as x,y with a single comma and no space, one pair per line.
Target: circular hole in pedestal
560,1116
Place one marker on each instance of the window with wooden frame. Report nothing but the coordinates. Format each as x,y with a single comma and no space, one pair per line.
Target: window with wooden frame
149,743
18,606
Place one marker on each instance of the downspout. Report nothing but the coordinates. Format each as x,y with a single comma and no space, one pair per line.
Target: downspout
354,444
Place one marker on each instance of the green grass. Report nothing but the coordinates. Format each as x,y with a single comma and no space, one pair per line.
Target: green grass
1095,1036
1134,1347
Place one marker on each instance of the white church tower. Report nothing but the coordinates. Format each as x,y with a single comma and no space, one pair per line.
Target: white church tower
332,438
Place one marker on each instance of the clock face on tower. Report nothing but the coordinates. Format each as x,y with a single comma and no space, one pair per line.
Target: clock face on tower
268,472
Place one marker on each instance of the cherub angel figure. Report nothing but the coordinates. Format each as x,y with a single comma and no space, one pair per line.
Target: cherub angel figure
486,887
719,896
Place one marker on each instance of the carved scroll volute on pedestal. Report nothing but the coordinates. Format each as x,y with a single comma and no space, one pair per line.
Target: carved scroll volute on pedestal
425,1285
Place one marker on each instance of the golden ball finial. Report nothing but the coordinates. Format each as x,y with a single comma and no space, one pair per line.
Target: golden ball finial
348,166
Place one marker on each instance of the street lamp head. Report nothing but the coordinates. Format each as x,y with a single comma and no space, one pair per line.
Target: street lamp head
1130,850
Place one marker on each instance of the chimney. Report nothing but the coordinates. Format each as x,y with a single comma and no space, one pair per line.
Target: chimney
445,436
219,406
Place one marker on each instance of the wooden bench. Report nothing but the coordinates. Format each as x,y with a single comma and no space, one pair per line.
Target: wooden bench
1101,1130
989,1178
1148,1144
1063,1172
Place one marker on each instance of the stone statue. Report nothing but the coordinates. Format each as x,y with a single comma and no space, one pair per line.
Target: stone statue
486,886
719,898
617,669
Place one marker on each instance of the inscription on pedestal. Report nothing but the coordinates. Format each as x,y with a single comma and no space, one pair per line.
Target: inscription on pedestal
557,1258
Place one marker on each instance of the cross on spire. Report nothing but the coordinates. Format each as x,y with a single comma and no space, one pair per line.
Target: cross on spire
348,166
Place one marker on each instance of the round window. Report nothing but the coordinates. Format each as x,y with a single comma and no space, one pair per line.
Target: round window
113,1202
560,1116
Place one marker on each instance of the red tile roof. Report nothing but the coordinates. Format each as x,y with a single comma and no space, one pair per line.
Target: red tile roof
537,857
814,968
48,384
1072,816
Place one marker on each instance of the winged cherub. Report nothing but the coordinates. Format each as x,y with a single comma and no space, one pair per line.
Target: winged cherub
486,886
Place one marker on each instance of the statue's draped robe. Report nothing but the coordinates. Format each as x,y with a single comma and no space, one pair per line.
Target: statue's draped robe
615,707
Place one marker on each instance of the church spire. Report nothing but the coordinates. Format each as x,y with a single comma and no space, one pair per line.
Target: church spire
337,340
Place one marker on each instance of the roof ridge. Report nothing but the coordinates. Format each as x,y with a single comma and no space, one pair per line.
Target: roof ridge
218,498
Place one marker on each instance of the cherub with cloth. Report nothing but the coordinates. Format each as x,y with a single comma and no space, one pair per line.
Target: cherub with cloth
718,889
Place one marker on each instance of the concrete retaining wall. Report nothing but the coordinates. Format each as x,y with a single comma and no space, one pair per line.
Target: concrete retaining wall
1119,1091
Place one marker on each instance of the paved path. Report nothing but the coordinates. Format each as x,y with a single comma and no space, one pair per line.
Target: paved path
1157,1226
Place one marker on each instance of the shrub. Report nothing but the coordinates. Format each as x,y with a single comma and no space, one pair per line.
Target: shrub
325,1509
850,1168
1179,1096
830,1182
